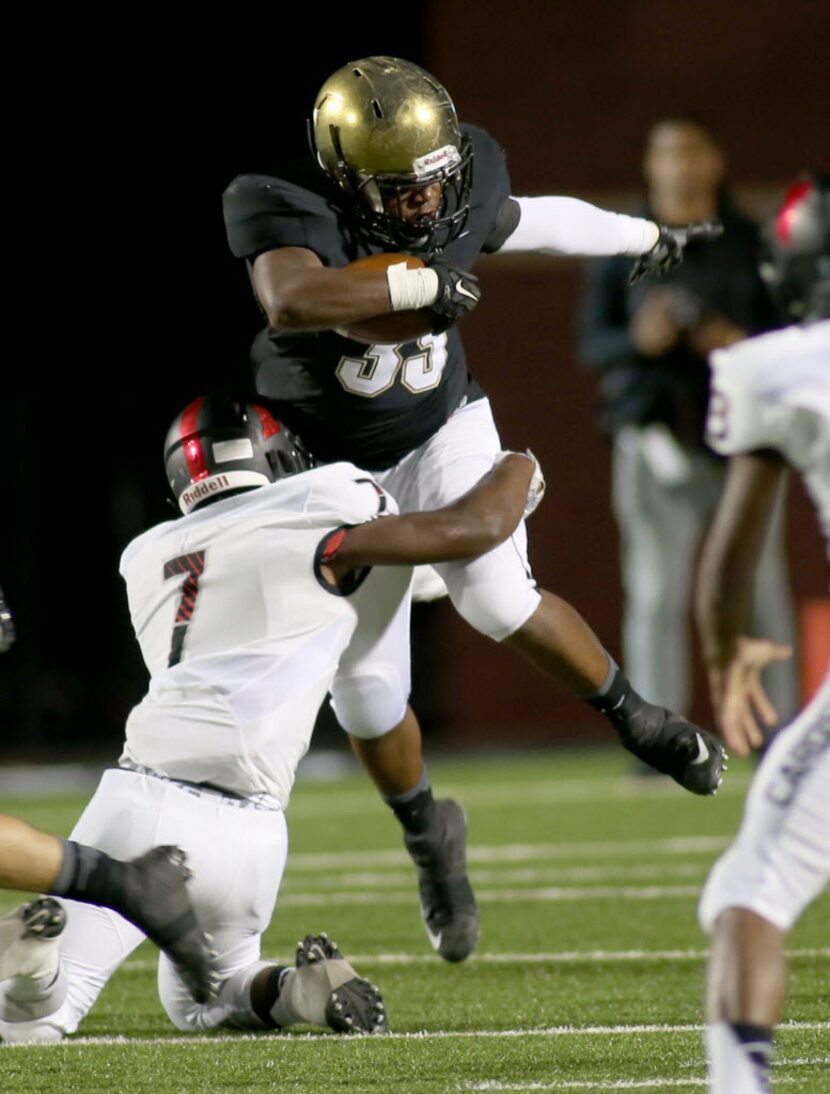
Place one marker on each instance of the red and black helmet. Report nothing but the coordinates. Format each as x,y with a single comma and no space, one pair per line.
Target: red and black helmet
796,265
219,445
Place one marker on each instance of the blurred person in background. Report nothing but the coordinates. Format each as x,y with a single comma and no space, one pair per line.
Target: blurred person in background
770,410
649,344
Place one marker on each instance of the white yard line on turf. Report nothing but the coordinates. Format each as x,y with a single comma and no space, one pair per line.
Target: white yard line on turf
632,1084
333,879
520,852
424,1035
551,894
601,1084
309,800
569,957
585,1084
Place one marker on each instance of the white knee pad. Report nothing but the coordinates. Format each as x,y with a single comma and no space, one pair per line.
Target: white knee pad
369,704
495,594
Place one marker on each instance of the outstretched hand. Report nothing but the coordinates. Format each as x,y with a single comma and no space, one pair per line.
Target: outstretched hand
742,707
667,252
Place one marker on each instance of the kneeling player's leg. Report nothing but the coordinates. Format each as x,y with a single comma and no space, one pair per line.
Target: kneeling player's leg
237,853
778,864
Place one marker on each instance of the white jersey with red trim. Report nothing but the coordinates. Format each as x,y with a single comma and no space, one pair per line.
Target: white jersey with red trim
240,632
773,391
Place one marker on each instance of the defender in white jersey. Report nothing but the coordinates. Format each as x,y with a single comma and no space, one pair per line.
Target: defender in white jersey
265,595
770,410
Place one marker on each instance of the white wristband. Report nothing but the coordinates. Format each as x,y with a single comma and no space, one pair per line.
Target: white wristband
410,290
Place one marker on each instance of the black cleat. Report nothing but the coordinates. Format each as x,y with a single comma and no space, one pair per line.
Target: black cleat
43,918
665,741
355,1005
29,937
157,902
671,744
448,906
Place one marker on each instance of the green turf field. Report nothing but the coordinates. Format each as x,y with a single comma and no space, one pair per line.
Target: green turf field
588,975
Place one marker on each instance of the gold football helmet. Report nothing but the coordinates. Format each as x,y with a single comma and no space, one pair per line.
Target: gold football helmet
382,126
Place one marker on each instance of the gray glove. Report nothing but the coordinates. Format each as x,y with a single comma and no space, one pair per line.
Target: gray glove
667,252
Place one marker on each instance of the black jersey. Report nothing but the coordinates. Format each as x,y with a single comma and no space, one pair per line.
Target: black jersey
349,401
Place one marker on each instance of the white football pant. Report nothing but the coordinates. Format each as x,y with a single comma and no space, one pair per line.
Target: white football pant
496,593
780,860
237,853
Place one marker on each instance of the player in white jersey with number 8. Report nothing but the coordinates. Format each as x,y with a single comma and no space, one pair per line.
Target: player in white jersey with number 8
268,593
770,409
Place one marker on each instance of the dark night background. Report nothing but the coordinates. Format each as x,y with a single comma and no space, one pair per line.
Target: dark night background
123,301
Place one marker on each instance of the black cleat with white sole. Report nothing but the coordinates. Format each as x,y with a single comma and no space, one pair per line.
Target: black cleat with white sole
43,918
448,905
669,743
356,1005
30,939
156,900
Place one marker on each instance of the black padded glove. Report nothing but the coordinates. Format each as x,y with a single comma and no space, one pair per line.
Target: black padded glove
458,293
667,252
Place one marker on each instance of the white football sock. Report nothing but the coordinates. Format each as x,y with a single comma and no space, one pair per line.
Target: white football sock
731,1068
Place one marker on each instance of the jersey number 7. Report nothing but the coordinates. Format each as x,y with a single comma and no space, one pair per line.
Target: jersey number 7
192,566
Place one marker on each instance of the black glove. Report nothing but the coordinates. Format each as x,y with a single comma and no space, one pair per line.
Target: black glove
458,293
667,252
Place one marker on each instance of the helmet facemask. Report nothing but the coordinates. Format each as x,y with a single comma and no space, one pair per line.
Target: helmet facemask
383,127
379,210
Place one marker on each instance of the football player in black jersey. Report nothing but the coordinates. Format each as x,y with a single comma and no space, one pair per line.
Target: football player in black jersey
398,173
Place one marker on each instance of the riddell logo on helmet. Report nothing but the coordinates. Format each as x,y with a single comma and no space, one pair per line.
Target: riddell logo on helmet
447,156
201,490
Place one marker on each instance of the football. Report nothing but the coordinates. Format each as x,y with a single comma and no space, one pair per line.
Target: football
397,327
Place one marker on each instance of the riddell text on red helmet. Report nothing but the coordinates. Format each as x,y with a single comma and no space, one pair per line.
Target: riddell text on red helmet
202,489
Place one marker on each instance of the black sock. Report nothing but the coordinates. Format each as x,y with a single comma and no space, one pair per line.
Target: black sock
90,875
414,808
264,996
757,1044
618,701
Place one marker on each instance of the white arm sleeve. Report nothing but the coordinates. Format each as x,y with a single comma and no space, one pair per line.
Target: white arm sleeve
568,226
